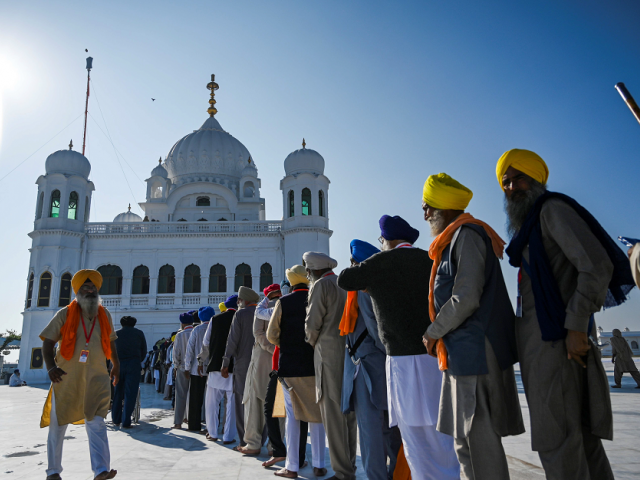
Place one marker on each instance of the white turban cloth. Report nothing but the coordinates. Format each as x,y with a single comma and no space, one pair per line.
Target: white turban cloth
318,261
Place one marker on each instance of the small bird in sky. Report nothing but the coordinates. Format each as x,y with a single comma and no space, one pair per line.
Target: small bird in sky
86,49
153,99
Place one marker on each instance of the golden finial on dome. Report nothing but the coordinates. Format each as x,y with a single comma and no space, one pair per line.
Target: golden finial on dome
129,207
213,86
249,159
160,160
304,144
71,145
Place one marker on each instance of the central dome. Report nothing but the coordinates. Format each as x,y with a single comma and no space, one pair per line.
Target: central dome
206,153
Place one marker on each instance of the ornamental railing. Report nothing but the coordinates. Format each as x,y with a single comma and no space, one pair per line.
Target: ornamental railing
140,228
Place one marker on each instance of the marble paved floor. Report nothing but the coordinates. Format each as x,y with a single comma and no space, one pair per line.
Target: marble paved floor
152,450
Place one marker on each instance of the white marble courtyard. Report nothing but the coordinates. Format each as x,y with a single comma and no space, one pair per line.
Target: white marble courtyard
152,450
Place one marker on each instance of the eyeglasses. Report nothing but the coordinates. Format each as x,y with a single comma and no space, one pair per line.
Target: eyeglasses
381,239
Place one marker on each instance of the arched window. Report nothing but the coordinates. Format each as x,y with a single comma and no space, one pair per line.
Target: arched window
30,291
249,190
634,344
140,284
306,201
218,278
292,203
64,298
54,210
86,209
266,276
73,206
191,279
203,202
321,203
243,276
111,280
167,279
40,205
44,292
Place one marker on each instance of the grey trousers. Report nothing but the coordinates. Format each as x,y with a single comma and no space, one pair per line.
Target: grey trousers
255,426
182,393
481,454
341,433
374,434
238,392
619,369
558,399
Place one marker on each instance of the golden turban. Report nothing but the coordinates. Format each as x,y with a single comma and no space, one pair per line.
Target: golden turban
222,307
526,161
82,276
297,274
444,193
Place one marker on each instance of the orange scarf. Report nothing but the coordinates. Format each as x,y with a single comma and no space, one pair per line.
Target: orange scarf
350,314
402,471
70,329
435,253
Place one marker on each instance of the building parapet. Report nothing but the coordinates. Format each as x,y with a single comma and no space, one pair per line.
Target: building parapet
146,228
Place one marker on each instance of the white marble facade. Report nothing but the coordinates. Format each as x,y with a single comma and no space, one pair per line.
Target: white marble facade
204,218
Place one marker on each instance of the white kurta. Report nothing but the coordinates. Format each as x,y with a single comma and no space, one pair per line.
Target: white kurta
413,390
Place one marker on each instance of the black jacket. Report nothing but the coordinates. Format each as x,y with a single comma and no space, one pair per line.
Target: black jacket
131,344
220,326
398,282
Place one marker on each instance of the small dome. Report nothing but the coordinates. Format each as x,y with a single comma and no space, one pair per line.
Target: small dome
304,160
250,170
159,171
68,162
127,217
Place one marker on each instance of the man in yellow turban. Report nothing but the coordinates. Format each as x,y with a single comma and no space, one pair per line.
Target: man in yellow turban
569,269
471,333
80,391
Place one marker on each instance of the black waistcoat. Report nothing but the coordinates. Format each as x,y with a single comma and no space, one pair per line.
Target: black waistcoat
220,326
296,355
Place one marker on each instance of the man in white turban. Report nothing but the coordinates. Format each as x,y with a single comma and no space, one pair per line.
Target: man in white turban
322,331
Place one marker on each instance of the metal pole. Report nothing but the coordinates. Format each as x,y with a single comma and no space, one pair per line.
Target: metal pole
86,106
628,99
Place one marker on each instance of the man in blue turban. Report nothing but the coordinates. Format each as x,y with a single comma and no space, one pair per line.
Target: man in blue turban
194,371
214,344
364,384
182,382
401,271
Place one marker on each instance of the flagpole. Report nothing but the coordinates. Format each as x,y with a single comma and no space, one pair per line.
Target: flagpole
86,106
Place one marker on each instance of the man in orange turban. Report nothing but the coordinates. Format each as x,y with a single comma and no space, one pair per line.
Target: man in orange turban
80,390
472,317
569,268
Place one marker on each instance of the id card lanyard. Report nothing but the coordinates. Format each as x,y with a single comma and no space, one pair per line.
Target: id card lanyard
84,354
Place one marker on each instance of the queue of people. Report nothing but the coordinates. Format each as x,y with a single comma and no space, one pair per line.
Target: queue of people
409,351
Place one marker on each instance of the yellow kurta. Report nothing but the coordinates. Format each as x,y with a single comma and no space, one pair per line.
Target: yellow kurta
84,391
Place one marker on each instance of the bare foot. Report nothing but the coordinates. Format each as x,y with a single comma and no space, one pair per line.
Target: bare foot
272,461
283,472
177,427
247,451
106,475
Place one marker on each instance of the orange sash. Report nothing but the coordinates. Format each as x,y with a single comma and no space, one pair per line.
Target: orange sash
402,471
350,314
70,329
435,253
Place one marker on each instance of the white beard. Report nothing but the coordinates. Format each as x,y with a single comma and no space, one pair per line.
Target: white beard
89,305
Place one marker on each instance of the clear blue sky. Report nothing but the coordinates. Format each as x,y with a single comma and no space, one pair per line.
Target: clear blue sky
387,92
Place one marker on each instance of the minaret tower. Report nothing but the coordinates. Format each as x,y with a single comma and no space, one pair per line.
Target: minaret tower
305,199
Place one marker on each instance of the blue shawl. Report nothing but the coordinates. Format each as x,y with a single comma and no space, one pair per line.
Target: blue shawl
550,308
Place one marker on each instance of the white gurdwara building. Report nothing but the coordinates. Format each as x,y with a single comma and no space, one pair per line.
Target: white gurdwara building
204,235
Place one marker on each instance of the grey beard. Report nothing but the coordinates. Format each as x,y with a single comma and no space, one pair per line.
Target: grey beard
437,223
312,276
518,208
89,305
